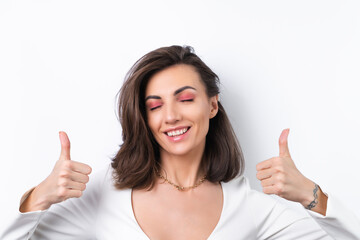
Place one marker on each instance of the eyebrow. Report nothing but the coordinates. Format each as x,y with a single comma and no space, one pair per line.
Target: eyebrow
175,93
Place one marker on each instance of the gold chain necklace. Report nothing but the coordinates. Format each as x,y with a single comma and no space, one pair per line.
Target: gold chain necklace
181,188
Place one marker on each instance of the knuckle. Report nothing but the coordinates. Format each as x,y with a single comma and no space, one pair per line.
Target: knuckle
68,164
267,190
258,175
279,189
280,178
87,178
279,168
79,194
62,182
65,164
64,173
62,192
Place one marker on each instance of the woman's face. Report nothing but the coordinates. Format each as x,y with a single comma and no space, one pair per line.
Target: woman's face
178,110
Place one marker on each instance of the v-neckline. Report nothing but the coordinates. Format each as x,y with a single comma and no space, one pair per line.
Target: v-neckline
211,234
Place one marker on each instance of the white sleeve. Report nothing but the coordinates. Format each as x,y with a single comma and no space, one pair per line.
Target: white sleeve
275,220
339,222
72,219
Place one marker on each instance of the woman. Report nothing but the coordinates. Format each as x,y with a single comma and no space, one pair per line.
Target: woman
175,176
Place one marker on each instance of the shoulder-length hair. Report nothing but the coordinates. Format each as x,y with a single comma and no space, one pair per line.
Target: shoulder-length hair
137,162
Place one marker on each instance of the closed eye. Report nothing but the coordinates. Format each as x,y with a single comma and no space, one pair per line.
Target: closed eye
153,105
151,109
186,100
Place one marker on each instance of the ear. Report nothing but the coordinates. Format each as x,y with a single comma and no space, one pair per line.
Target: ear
214,107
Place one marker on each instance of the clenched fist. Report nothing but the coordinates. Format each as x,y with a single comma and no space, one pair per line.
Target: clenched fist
68,179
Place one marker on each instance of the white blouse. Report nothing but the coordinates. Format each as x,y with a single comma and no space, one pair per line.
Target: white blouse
104,212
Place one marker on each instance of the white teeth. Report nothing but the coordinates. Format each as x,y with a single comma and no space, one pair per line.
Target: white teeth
177,132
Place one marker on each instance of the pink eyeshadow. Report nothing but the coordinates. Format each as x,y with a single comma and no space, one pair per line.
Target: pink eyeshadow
154,105
186,96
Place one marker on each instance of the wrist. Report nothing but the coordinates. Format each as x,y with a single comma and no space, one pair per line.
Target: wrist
315,200
32,202
310,194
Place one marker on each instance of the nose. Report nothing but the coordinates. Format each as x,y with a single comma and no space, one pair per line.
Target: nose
171,114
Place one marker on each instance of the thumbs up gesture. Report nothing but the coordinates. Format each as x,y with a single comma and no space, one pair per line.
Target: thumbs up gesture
67,180
279,175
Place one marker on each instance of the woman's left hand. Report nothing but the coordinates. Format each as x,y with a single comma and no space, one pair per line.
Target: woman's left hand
279,175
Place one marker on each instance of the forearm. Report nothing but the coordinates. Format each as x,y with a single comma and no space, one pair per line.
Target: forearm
30,202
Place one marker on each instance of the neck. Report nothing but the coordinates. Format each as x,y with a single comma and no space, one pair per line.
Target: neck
183,170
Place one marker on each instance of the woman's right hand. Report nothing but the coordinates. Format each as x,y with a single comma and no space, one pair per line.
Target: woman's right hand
67,180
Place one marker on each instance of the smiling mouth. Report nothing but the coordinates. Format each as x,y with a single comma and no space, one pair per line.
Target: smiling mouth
177,132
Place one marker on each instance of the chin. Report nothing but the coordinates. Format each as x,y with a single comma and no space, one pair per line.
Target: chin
177,152
180,149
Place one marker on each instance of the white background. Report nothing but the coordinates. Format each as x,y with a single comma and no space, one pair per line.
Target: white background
282,64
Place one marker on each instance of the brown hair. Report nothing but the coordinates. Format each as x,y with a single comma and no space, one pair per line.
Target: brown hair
136,163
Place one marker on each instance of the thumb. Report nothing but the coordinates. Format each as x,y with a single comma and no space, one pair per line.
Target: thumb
283,143
65,146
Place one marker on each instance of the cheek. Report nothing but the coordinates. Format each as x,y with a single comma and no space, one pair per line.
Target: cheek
205,118
153,122
205,125
202,118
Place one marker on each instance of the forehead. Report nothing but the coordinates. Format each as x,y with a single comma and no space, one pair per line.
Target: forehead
172,78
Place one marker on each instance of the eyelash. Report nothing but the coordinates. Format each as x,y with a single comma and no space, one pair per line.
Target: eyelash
151,109
185,100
